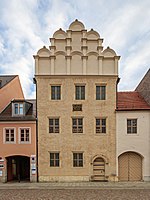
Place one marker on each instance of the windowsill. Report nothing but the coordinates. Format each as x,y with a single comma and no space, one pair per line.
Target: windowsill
132,134
18,115
101,134
100,99
24,142
77,167
56,99
80,99
9,143
54,167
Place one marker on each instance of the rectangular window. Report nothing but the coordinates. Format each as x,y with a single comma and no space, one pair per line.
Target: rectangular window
9,135
1,166
77,159
100,125
77,125
18,108
80,92
54,125
55,92
24,135
100,92
131,126
54,159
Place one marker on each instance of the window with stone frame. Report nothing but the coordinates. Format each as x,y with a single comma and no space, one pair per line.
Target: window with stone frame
54,125
77,125
100,125
25,135
131,126
9,135
100,92
77,159
54,159
55,92
80,92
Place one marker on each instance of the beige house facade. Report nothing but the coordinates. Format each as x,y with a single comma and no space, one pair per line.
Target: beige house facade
76,100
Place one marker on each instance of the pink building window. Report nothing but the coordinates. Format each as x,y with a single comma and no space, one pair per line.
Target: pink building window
9,135
24,135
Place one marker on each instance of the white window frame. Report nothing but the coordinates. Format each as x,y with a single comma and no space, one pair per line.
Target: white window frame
132,126
4,135
19,135
13,108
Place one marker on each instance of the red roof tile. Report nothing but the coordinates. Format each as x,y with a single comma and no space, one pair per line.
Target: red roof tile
131,101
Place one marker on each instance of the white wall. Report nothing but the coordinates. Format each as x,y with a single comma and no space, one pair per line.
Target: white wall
140,142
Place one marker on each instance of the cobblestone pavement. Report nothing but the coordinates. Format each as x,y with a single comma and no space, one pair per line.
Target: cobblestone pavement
75,194
75,191
76,185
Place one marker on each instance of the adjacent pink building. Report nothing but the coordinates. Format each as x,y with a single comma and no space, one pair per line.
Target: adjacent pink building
17,134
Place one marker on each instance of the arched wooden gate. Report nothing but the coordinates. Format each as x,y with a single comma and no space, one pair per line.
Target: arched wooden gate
130,167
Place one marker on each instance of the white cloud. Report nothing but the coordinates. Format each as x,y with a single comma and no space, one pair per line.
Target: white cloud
27,25
2,48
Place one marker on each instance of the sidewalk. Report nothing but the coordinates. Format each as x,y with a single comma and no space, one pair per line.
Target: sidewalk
76,185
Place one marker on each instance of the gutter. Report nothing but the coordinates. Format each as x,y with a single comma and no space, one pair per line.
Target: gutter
37,171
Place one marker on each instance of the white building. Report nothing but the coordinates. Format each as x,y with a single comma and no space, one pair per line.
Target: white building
133,137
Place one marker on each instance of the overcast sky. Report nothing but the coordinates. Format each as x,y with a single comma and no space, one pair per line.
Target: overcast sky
27,25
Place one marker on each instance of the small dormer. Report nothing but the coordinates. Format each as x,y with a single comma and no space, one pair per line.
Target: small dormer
18,108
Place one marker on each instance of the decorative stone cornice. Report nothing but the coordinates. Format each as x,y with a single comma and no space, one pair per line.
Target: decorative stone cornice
83,39
100,57
117,57
68,57
52,57
84,47
52,47
68,47
99,48
35,56
85,57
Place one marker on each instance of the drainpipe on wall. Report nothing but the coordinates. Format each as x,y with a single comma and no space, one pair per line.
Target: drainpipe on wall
37,171
116,129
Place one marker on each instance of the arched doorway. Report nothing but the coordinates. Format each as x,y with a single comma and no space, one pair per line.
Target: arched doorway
130,167
18,168
99,169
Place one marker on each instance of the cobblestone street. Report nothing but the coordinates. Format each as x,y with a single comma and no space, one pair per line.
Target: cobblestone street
75,191
75,194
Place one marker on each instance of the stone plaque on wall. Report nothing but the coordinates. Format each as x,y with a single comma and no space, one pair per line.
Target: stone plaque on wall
77,107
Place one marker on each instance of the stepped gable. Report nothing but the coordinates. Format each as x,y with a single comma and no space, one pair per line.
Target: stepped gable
76,51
